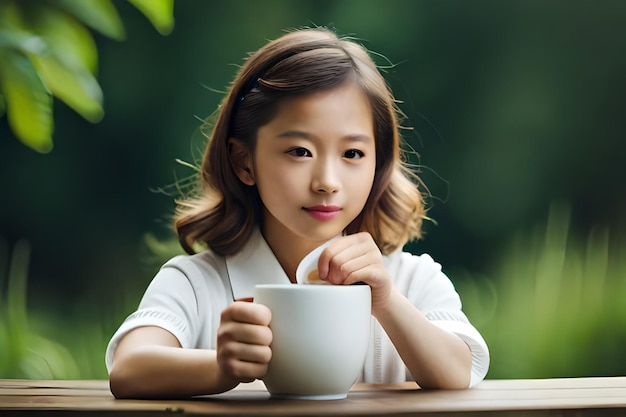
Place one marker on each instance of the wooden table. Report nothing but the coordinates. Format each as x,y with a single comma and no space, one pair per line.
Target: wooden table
540,397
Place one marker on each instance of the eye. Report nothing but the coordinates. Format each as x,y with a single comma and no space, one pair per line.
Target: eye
353,154
299,152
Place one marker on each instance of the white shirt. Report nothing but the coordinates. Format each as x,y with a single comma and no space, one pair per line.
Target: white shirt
188,294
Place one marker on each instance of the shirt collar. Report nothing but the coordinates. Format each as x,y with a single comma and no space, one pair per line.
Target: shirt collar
254,264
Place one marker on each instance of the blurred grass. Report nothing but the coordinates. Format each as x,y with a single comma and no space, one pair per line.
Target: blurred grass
552,307
37,344
25,352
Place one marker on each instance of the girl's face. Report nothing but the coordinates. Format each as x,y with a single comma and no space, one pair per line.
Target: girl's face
314,165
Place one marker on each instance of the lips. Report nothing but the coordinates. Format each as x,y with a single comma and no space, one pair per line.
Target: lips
322,212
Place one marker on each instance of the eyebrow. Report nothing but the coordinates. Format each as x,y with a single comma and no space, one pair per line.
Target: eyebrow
357,137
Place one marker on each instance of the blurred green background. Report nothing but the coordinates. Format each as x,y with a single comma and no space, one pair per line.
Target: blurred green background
517,109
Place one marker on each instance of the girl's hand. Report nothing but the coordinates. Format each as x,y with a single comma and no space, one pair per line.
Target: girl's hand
356,258
243,341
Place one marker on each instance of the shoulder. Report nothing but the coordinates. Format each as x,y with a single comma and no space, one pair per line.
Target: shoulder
421,279
405,265
205,271
203,263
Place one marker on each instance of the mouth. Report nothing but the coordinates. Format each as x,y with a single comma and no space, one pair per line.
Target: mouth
322,212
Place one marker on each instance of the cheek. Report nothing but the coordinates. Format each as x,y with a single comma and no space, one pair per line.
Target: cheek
366,180
366,190
276,182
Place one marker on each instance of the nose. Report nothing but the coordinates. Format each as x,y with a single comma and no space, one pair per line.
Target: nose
326,178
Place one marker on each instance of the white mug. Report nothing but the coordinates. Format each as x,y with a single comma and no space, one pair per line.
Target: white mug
320,338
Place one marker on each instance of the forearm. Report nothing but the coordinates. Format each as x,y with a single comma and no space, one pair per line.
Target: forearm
160,371
435,358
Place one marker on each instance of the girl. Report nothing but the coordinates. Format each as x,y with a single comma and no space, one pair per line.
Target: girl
305,148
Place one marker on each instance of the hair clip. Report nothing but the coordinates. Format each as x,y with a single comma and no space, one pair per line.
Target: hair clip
252,84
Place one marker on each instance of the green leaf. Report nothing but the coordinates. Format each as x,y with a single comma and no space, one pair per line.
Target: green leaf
77,88
159,12
3,106
67,38
22,41
28,102
67,70
100,15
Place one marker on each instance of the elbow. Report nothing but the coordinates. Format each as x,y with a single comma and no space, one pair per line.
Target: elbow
125,382
457,378
120,384
446,384
460,383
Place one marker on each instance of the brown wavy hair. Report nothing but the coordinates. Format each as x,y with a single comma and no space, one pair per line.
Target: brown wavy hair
223,212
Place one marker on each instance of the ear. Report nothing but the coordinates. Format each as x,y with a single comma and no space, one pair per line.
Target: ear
241,161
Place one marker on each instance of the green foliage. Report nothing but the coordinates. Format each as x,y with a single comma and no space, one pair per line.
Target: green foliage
47,50
26,353
554,305
47,344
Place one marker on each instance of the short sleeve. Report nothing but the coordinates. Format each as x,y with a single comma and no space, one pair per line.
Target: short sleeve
169,302
423,282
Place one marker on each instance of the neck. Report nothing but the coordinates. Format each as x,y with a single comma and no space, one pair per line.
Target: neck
289,252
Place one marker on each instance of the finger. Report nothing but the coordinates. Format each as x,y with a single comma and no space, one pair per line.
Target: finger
357,240
347,272
248,371
350,261
253,334
244,370
244,352
366,275
244,312
337,252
